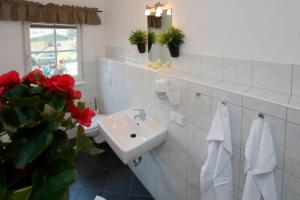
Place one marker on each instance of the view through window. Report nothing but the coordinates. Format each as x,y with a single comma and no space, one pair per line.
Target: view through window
54,49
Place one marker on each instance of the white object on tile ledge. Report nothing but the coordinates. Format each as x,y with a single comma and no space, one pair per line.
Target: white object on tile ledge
99,198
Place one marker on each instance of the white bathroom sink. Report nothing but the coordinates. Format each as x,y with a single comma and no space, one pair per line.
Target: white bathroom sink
130,137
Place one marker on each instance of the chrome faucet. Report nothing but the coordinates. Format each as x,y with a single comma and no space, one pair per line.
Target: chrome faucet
141,115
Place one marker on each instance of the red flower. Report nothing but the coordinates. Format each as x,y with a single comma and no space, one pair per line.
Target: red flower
60,83
85,117
2,90
9,79
76,94
36,77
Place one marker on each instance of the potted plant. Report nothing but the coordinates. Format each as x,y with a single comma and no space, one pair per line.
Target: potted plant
139,38
151,40
36,157
173,38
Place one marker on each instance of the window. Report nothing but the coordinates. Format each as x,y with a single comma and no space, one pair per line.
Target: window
54,49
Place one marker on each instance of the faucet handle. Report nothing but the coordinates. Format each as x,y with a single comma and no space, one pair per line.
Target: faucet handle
142,113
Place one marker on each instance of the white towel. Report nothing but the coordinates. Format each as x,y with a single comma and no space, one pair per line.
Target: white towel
99,198
260,163
216,173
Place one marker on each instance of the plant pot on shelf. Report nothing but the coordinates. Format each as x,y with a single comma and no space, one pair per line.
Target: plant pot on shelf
141,47
149,46
174,50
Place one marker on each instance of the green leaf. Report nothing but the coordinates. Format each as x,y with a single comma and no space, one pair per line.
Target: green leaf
40,138
15,117
52,181
81,105
3,189
58,102
18,91
36,90
61,147
84,144
25,101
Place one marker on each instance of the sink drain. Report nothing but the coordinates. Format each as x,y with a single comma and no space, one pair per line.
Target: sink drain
133,135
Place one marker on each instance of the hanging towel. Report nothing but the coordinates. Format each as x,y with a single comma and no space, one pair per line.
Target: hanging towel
260,163
216,174
99,198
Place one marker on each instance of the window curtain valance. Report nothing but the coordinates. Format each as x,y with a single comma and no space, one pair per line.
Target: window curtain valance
19,10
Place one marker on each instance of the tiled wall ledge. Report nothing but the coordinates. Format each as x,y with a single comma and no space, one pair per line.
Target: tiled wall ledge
268,101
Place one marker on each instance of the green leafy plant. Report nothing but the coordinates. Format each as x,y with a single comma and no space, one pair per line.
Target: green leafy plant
152,38
173,35
138,36
36,157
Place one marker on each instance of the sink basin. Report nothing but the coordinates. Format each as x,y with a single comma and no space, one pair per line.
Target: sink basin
130,138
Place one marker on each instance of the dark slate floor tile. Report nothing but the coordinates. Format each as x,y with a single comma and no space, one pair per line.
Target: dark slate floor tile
137,188
119,181
119,165
82,175
85,194
84,159
139,198
97,179
105,160
114,196
73,192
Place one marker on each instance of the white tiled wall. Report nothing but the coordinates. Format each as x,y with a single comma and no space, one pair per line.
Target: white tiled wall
171,171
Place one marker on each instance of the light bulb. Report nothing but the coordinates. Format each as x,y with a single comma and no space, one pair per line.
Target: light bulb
159,9
157,14
169,12
147,12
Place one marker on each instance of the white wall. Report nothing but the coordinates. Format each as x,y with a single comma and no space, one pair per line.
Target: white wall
267,30
12,42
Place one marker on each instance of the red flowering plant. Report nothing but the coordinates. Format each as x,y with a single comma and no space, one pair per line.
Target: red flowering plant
35,152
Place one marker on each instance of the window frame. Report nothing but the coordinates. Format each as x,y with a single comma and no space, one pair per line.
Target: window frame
27,46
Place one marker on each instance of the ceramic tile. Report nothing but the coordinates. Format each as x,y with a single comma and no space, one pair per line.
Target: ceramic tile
199,110
272,76
296,80
178,161
234,87
193,173
277,129
238,71
188,63
178,135
291,187
265,107
178,187
292,160
227,96
295,102
204,80
196,87
192,194
197,142
269,95
235,113
211,66
293,115
163,152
